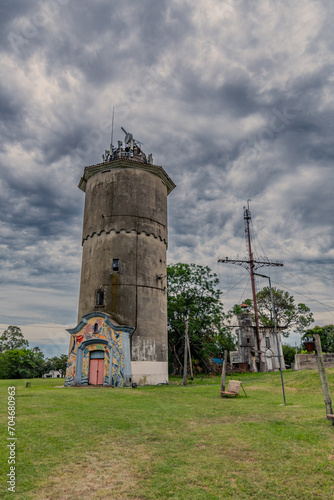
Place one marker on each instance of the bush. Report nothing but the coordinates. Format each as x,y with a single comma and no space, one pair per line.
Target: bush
289,354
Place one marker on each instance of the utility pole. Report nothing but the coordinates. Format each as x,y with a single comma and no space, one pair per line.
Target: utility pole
323,379
251,265
190,361
247,218
185,360
276,334
222,384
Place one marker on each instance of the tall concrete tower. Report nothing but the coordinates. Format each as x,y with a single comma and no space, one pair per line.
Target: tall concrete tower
121,336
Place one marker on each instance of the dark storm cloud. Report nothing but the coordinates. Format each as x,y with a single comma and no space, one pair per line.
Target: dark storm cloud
10,108
104,42
233,99
9,11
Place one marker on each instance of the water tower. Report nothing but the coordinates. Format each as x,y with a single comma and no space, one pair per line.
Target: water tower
121,336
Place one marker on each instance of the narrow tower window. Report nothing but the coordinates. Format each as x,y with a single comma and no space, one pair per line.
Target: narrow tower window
115,265
100,298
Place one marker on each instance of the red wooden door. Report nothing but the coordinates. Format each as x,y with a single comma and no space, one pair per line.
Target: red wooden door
96,369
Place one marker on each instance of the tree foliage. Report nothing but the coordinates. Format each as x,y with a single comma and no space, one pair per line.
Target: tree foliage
56,363
21,363
289,353
17,361
326,334
193,292
289,315
12,338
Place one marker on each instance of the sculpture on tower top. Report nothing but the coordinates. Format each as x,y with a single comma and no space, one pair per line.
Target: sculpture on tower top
132,149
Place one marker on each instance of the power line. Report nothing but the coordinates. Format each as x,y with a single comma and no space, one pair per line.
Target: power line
243,293
304,287
310,296
296,257
304,295
225,293
258,239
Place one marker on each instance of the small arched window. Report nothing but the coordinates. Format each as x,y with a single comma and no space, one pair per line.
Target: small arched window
100,298
96,328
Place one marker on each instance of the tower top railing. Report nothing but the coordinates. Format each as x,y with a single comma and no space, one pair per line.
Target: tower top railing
130,151
122,153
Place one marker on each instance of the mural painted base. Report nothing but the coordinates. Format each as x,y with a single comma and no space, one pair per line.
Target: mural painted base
97,332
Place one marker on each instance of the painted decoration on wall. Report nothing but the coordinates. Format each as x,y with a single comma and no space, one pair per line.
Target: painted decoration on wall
97,332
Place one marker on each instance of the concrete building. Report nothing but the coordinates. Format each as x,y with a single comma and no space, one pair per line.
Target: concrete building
247,353
121,336
52,374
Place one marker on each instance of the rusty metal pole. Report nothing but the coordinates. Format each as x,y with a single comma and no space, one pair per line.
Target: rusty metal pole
247,217
323,377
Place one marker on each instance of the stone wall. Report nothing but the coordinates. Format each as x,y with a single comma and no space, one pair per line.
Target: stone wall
309,361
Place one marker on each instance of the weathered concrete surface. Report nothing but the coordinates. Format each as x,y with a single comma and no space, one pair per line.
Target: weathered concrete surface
125,199
309,361
125,218
149,372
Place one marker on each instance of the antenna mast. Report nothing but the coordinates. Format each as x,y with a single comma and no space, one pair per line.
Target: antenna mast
112,129
247,218
251,265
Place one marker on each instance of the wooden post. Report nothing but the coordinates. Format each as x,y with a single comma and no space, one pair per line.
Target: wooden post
323,377
185,360
190,361
222,386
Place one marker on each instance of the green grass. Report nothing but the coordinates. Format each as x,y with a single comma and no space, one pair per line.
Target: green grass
172,441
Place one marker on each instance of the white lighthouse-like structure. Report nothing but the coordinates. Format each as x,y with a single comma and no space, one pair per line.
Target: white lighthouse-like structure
121,335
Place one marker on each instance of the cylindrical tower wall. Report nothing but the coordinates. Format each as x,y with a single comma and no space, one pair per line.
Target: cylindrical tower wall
125,222
125,198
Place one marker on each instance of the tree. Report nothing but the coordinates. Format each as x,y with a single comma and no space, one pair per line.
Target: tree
326,334
57,363
289,353
12,338
289,315
21,363
193,292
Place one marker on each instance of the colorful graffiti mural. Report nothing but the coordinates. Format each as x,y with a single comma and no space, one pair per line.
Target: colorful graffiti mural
96,332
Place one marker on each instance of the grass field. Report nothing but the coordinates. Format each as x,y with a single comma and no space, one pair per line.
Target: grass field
172,441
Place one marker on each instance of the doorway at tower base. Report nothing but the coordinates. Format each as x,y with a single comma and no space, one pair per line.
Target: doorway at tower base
149,372
99,352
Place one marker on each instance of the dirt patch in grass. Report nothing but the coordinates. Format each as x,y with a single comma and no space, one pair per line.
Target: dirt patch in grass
105,473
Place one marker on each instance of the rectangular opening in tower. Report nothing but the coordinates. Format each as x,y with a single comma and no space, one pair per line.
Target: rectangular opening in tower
100,298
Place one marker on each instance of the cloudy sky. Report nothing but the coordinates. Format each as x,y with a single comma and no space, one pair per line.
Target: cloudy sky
233,98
